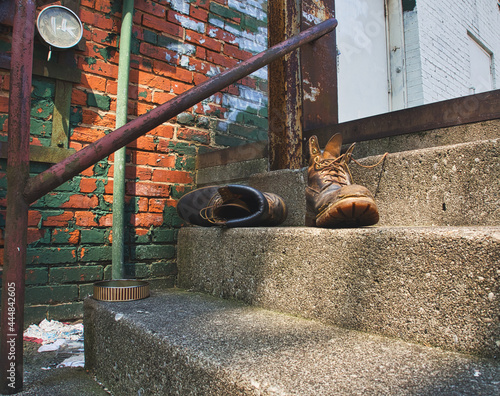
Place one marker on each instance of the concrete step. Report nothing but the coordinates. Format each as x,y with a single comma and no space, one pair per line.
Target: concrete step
455,185
179,343
430,285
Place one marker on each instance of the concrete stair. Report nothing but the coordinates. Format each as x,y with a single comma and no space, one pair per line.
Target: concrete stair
179,343
408,307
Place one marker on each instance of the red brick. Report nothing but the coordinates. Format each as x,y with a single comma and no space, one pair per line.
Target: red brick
95,19
58,220
198,13
223,35
201,3
154,81
235,52
154,159
81,202
34,218
220,59
173,17
179,88
143,108
201,53
150,7
138,172
91,117
157,205
85,219
106,220
160,97
104,37
78,97
203,40
147,189
146,142
173,72
249,82
194,135
104,6
137,18
171,176
99,67
146,219
165,131
4,104
88,185
34,234
162,25
87,3
87,135
93,50
95,83
199,78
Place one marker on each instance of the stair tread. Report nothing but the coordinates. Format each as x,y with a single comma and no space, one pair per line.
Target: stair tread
256,350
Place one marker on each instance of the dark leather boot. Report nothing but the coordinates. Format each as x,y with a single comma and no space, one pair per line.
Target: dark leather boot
332,200
232,206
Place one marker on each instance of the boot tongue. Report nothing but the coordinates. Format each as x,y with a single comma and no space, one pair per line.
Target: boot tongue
332,148
232,205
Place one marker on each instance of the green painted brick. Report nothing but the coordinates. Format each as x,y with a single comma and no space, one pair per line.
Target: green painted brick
37,295
171,218
37,276
42,108
85,291
51,255
108,270
65,311
160,269
231,141
34,314
95,235
252,24
145,252
141,239
76,115
186,119
150,37
95,253
41,128
43,88
182,148
90,273
137,270
164,235
100,101
223,11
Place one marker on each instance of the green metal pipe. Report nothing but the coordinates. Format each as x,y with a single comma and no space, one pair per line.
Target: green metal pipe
118,246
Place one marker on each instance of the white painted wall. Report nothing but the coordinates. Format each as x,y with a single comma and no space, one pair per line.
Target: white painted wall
362,59
441,61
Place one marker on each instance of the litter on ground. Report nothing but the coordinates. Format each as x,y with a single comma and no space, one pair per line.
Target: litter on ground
59,337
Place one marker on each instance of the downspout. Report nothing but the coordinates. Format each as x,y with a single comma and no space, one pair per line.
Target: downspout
118,245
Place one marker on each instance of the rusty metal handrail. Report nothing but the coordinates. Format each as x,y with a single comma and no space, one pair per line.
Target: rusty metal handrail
53,177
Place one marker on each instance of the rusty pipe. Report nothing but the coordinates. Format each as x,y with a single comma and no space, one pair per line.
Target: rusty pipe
16,225
53,177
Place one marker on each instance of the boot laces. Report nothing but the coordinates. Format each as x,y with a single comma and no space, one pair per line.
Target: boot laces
335,170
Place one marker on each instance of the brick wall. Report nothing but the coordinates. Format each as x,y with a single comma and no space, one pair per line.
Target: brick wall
437,39
176,45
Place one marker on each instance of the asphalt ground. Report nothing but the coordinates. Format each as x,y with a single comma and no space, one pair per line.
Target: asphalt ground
42,377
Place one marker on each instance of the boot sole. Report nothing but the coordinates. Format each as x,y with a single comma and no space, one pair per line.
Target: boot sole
349,212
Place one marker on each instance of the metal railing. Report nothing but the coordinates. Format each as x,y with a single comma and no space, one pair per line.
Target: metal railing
23,191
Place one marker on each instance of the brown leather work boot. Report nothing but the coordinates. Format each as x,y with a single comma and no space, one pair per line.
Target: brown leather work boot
232,206
332,200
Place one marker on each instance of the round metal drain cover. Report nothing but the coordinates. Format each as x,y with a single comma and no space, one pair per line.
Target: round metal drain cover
121,290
